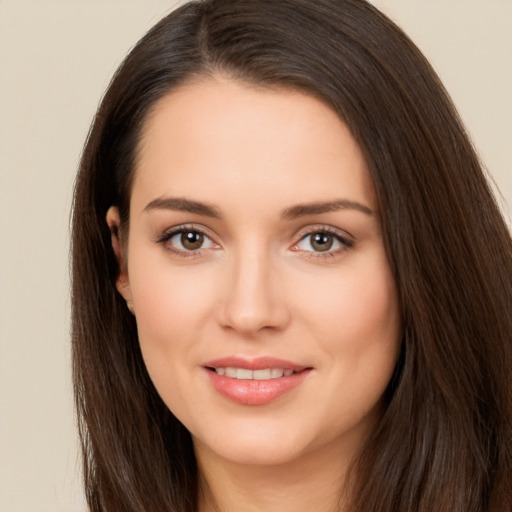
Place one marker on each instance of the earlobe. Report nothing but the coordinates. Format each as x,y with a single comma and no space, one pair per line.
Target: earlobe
122,281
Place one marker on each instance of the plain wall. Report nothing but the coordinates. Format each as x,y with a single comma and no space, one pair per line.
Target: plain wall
56,58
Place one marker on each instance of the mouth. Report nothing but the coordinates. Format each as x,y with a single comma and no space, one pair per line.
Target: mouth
257,381
247,374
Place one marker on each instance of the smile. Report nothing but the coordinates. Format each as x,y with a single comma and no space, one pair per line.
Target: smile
246,374
255,381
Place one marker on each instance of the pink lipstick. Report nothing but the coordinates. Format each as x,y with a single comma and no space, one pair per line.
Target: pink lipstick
254,381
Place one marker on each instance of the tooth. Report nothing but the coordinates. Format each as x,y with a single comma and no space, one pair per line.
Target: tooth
262,374
246,374
243,374
230,372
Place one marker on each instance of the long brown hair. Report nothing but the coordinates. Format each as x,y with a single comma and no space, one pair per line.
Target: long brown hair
445,440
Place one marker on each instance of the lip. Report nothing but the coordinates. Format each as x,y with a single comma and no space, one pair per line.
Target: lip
259,363
255,392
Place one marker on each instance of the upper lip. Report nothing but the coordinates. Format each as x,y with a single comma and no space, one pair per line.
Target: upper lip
259,363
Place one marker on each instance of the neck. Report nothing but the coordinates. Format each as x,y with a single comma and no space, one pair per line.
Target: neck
313,482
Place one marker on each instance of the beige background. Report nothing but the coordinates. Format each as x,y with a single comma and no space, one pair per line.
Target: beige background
56,58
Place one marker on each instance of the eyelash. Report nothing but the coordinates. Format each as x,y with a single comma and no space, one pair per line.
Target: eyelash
346,242
168,235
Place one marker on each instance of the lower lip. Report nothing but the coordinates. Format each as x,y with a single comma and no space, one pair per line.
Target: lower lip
255,392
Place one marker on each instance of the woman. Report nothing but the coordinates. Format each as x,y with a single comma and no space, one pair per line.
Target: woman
291,283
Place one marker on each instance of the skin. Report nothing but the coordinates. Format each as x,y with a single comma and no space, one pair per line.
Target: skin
259,286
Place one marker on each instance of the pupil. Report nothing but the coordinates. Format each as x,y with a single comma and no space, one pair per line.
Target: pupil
322,242
192,240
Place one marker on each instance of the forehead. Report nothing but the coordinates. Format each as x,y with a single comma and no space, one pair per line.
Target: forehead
219,135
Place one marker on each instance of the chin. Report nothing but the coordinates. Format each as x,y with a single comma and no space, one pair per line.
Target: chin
259,454
253,446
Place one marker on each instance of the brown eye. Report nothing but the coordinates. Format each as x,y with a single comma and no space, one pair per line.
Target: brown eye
191,240
187,242
322,241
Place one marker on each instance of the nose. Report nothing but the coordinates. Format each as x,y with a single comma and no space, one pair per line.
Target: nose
253,298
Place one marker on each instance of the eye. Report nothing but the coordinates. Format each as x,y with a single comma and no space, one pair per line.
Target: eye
189,240
319,242
323,241
185,240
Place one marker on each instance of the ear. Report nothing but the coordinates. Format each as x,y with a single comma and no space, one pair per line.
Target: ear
122,282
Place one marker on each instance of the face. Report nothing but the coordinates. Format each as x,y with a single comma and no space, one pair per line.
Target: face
266,310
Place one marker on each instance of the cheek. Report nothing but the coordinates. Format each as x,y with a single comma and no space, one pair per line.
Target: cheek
371,311
168,296
172,306
360,305
357,324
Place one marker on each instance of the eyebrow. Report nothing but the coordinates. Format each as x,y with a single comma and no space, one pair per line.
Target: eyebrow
183,205
302,210
294,212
